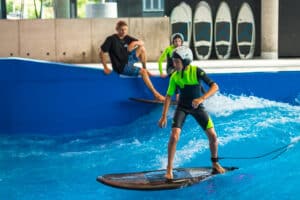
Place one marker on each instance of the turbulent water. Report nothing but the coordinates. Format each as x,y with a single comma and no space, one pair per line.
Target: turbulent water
66,166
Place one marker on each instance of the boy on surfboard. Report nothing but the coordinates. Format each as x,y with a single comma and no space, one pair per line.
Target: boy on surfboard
124,51
188,79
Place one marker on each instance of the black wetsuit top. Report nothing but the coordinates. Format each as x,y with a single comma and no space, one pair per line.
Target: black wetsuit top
117,50
190,88
189,84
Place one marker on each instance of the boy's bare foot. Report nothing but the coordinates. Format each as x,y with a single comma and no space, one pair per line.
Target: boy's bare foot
217,168
169,174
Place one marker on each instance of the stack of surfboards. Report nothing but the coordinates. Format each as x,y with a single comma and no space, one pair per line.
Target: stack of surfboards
181,22
202,27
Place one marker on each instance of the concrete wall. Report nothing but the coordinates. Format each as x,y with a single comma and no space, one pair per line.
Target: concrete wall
76,40
73,40
9,38
37,39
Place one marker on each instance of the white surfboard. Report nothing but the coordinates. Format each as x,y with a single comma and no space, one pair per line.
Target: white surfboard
181,22
245,32
203,30
223,31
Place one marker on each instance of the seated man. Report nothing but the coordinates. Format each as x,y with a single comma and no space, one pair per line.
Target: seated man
124,51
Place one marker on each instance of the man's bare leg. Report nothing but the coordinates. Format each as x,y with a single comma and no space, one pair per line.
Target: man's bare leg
213,145
141,54
149,84
171,151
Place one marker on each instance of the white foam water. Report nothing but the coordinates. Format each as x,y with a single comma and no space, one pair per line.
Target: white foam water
246,125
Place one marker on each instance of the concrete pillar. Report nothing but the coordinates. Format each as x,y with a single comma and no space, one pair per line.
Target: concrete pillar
101,10
73,8
62,8
2,9
269,28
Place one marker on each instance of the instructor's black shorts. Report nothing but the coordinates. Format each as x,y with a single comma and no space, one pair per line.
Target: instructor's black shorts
199,114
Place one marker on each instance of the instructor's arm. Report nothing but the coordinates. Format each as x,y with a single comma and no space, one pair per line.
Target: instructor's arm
135,44
103,58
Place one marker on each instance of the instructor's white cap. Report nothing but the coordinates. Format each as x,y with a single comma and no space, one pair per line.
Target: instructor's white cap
177,35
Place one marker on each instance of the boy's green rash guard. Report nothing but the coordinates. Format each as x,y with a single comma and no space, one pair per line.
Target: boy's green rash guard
167,54
192,76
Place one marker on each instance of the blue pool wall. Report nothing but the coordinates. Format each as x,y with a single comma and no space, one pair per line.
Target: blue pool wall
40,97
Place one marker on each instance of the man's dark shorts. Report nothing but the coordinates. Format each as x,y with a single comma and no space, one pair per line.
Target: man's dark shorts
130,69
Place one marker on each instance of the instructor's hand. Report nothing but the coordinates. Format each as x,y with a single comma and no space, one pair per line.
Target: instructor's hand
163,75
162,123
107,71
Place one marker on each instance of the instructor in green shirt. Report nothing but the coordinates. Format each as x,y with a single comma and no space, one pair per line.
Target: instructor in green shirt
177,41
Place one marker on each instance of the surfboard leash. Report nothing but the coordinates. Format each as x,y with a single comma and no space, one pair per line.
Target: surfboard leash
279,151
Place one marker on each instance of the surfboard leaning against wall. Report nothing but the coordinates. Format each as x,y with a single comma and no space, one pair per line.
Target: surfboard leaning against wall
181,22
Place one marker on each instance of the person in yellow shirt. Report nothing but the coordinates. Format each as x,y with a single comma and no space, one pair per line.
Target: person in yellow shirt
177,40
